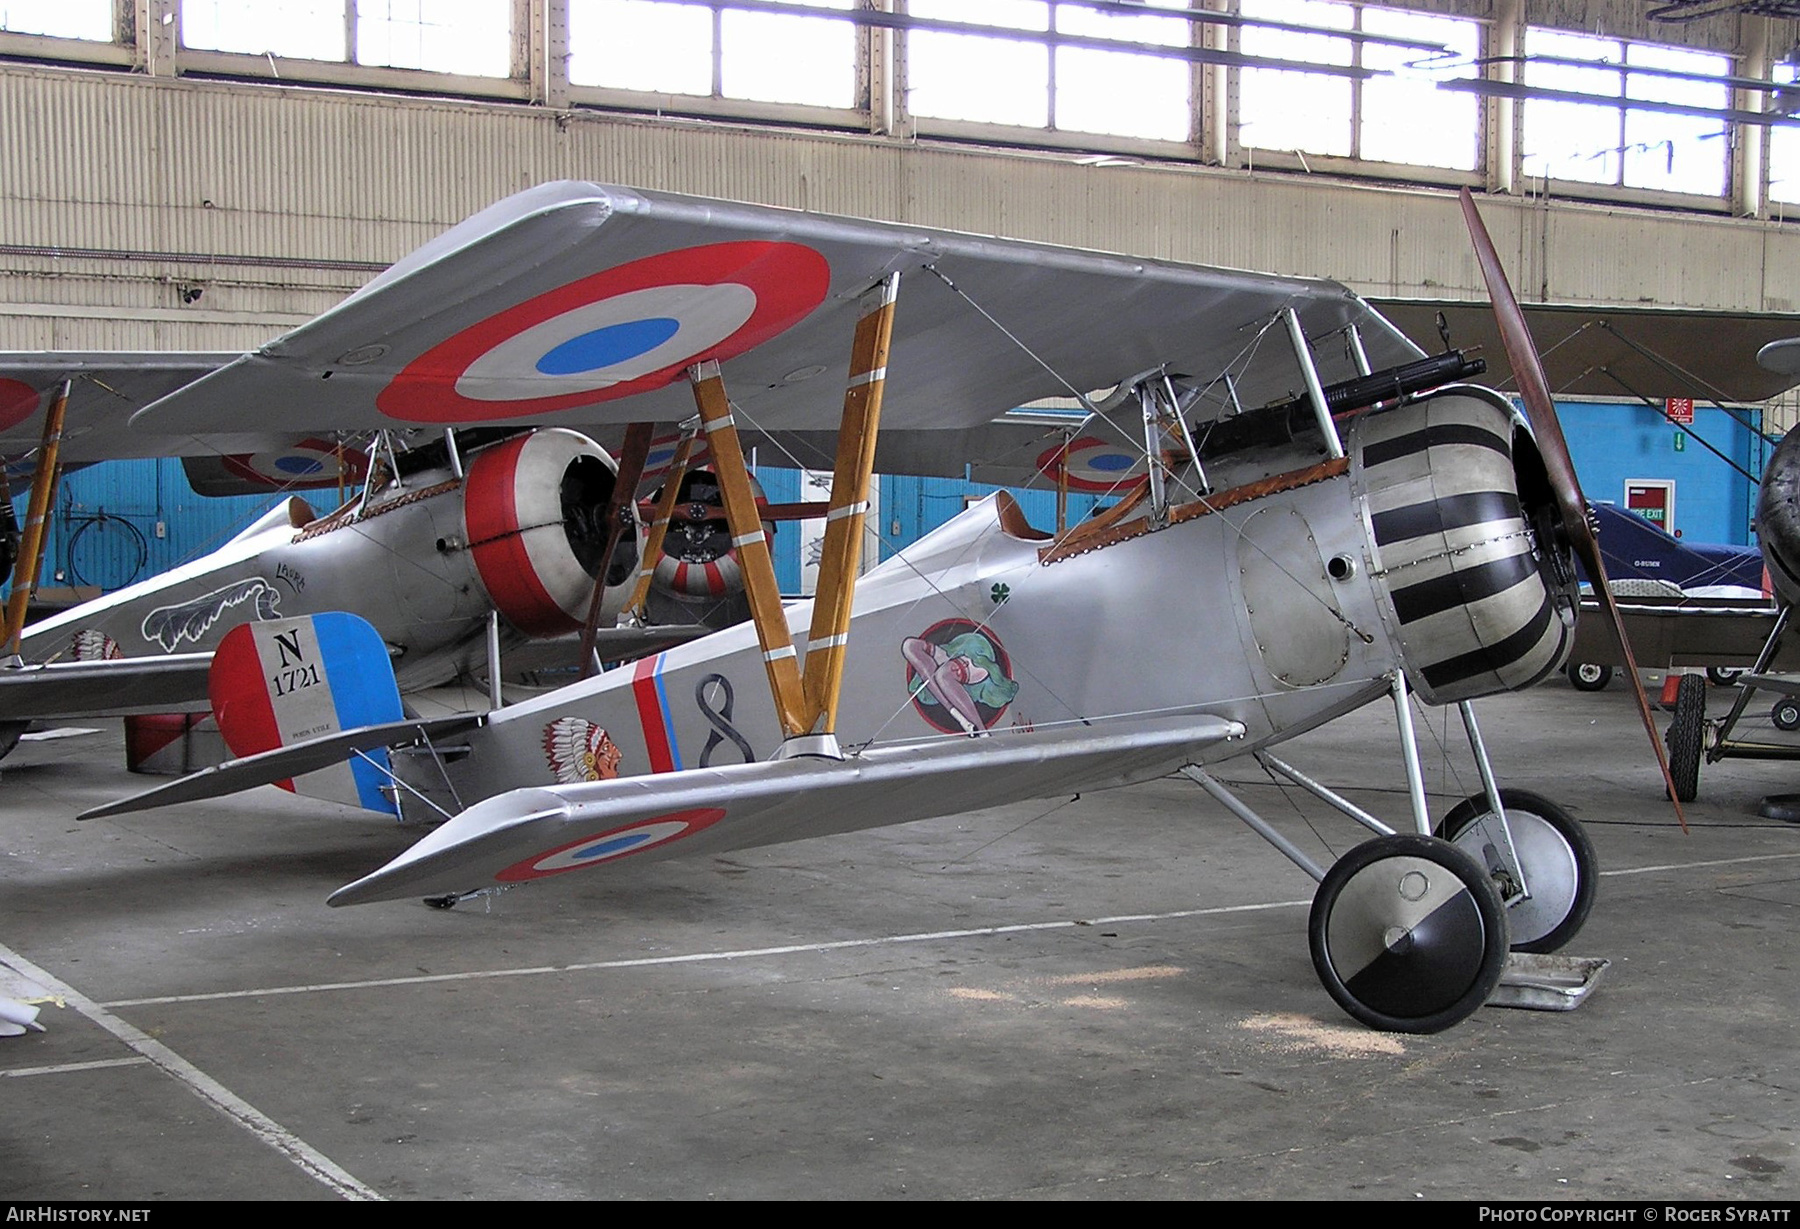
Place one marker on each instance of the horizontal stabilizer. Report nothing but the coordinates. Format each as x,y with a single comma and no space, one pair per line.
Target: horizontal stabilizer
282,763
115,687
534,833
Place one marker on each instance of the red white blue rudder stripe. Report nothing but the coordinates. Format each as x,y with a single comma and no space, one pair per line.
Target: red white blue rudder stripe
283,681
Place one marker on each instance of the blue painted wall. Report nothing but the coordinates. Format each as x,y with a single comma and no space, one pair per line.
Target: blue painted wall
1613,443
103,531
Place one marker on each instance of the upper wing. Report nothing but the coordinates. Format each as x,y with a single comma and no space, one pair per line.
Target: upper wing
579,304
105,390
1654,352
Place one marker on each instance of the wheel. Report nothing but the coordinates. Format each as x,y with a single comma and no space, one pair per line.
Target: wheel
1685,735
1586,676
1408,933
1786,713
1559,862
1722,676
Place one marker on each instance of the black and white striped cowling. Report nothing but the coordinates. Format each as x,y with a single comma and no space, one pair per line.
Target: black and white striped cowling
1457,502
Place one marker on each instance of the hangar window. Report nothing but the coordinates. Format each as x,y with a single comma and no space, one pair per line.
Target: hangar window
469,37
1389,109
1784,143
991,80
1663,142
87,19
641,45
1404,116
300,29
1117,92
670,48
1301,111
1035,80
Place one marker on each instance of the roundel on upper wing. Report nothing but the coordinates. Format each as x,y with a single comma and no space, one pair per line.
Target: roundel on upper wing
17,403
625,330
1095,464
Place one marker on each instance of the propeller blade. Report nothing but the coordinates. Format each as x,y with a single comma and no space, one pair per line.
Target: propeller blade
1540,411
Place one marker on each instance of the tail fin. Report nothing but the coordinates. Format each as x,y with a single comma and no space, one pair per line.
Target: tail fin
283,681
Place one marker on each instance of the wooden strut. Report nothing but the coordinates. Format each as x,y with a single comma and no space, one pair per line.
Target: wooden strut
31,543
632,455
752,546
807,702
659,521
841,553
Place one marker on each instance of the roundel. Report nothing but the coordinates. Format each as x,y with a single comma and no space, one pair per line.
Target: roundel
626,330
631,838
17,403
1095,464
304,464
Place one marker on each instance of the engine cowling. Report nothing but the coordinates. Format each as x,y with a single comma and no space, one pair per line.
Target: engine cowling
1778,517
1476,576
698,562
535,518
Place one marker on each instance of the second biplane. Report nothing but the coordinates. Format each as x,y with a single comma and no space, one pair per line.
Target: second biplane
1313,516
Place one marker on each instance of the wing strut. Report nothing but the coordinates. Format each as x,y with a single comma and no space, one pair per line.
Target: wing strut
31,548
659,523
806,702
625,484
842,550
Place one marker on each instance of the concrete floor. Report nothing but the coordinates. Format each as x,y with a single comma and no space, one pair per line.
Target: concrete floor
1109,998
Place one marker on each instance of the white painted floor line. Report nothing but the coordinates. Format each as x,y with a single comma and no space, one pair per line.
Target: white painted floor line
1694,866
272,1133
425,979
65,1068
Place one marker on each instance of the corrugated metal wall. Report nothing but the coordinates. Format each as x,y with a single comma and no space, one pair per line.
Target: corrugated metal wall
311,190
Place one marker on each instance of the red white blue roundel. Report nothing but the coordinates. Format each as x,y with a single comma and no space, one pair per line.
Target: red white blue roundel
592,850
17,403
305,464
1095,464
626,330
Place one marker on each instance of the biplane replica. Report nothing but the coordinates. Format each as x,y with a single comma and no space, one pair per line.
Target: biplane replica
1692,738
1313,516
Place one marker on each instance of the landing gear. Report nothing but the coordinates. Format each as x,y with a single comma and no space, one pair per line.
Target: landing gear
1686,735
1586,676
1785,713
1555,856
1723,676
1408,933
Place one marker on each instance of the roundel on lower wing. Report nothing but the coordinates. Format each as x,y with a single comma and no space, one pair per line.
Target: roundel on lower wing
1095,464
626,330
17,403
632,838
303,465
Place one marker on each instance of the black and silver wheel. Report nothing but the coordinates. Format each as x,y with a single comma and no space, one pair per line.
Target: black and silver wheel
1559,862
1786,713
1686,736
1586,676
1722,676
1408,933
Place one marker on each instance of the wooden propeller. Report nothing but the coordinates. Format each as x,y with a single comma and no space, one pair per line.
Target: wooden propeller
1540,410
